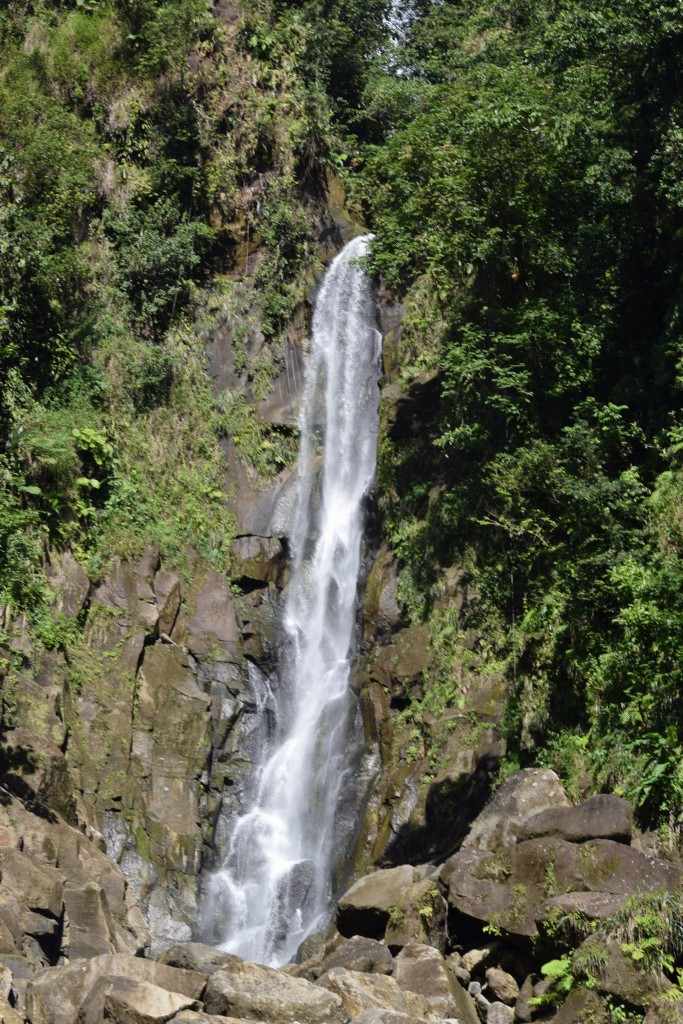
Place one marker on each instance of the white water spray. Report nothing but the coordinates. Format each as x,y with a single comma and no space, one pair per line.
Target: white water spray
275,887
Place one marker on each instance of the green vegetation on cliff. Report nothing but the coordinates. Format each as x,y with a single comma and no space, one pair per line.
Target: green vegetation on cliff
146,149
526,194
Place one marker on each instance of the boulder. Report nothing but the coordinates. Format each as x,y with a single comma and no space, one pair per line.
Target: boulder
422,969
360,992
256,560
365,908
524,1012
476,960
36,888
388,1017
8,1015
499,1013
195,956
509,888
502,985
99,911
582,1006
599,817
254,992
199,1017
125,1001
357,954
90,926
520,797
664,1011
58,994
395,904
456,966
594,906
617,974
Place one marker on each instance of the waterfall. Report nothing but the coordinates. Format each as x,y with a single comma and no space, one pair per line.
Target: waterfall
276,884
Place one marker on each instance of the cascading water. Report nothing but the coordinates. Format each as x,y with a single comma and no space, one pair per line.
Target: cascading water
275,887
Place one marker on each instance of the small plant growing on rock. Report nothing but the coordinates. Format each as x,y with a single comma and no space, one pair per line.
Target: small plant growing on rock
650,929
561,974
427,905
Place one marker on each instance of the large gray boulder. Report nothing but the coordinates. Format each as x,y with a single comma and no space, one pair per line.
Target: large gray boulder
600,817
361,992
360,954
356,954
398,905
59,995
254,992
422,969
125,1001
520,797
510,888
389,1017
195,956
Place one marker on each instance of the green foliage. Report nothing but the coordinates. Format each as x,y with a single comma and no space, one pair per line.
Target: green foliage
561,974
157,251
650,930
286,233
520,189
139,140
264,448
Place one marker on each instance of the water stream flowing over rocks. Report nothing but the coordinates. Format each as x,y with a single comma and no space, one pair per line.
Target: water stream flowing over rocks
275,886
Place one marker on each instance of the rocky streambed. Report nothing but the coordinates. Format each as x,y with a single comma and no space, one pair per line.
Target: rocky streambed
540,915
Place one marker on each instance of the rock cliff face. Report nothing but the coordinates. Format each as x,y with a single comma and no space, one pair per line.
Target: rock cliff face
130,725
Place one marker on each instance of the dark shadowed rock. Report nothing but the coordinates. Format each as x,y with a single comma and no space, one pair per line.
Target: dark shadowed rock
616,974
582,1006
599,817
